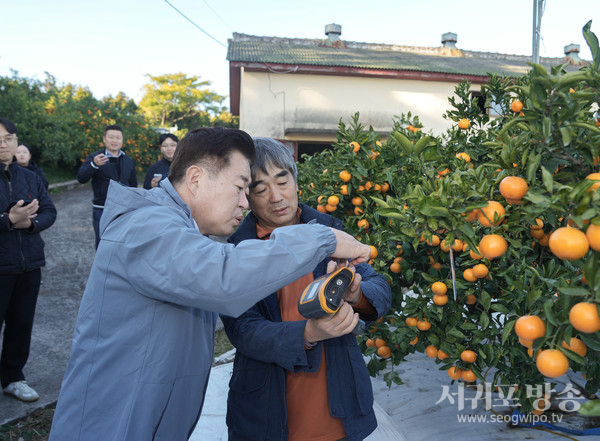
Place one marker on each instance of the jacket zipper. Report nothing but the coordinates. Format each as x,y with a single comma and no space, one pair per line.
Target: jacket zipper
18,232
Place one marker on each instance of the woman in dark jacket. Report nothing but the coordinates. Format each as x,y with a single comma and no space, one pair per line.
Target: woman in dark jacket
160,169
23,156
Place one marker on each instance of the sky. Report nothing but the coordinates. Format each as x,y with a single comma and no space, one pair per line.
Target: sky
109,46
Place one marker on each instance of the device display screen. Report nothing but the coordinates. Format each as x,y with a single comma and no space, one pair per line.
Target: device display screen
312,292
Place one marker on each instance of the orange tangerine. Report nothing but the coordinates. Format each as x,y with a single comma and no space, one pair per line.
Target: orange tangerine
568,243
439,288
492,214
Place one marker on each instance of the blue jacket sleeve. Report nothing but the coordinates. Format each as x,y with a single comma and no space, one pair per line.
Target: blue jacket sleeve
201,273
376,290
264,340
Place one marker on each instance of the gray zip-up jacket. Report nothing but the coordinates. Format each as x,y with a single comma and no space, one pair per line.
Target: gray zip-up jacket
143,342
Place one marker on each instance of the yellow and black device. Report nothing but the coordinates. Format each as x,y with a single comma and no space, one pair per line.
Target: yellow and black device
324,295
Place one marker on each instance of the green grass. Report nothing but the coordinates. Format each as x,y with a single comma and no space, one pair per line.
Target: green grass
36,427
55,176
222,343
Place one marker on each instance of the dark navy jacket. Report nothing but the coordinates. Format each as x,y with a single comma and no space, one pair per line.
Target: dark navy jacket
163,166
22,250
123,171
38,171
266,347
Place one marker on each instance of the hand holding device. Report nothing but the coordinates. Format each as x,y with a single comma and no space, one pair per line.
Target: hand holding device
324,296
100,159
21,212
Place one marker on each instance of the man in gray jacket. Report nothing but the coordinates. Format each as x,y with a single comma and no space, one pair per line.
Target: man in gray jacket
143,342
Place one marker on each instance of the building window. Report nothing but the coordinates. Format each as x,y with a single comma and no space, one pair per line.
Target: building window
310,149
493,112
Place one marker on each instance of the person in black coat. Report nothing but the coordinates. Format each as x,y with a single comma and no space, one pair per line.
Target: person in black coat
160,169
102,166
23,156
25,210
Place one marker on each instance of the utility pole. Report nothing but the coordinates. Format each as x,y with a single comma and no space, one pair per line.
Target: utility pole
538,10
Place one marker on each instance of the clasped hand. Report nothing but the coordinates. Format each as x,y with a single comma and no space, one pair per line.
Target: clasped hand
20,216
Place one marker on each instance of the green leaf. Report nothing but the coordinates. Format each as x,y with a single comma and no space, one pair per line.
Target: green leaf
573,291
546,127
499,307
485,300
421,144
538,199
573,356
508,125
428,206
391,212
381,202
548,180
508,327
532,166
586,126
591,341
539,69
456,333
566,135
590,408
592,42
484,320
403,142
532,296
549,313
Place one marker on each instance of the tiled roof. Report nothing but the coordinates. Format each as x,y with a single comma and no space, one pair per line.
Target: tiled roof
313,52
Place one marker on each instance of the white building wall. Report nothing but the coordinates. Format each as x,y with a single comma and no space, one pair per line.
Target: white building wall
309,107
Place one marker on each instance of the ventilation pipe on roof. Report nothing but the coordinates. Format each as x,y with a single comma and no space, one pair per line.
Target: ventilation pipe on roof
572,53
333,32
449,40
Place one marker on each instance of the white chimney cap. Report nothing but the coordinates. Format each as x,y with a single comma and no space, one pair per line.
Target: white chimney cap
571,48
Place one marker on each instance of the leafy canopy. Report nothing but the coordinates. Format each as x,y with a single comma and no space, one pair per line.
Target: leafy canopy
178,99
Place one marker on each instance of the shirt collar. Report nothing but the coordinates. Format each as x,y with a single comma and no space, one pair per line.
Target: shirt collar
107,153
265,233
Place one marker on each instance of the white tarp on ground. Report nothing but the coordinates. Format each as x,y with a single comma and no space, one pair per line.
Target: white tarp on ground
406,412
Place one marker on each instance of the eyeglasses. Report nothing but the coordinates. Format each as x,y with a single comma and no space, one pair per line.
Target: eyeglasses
168,145
8,139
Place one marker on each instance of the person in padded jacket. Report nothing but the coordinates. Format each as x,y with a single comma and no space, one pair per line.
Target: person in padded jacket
105,165
23,157
296,379
25,210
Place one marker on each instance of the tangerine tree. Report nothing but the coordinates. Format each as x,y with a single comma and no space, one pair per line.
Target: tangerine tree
502,211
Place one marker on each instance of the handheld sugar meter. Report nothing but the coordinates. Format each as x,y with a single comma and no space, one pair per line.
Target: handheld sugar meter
324,296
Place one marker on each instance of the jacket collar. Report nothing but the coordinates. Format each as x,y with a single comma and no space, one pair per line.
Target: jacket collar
166,185
247,229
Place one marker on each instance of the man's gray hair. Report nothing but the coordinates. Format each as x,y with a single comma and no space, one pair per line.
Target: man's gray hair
271,152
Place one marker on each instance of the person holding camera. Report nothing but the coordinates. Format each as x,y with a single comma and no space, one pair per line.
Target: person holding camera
105,165
160,169
25,210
